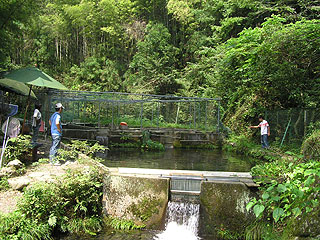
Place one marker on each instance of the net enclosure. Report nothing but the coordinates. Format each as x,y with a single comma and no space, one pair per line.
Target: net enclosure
109,109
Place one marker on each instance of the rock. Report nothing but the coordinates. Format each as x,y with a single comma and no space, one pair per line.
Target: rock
15,163
19,183
7,171
102,140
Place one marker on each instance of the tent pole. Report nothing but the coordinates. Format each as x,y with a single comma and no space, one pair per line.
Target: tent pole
25,113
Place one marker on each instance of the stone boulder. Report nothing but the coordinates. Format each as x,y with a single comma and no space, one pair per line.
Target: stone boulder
17,164
7,172
19,183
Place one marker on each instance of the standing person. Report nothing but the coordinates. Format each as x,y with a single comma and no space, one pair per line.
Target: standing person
36,123
56,133
265,131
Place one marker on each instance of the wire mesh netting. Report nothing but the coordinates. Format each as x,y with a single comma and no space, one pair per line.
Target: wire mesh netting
291,125
137,110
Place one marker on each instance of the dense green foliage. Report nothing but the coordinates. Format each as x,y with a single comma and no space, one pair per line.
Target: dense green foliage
311,145
289,189
18,148
254,54
73,204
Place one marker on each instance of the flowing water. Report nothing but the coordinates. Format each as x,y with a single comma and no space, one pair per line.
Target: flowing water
182,159
182,222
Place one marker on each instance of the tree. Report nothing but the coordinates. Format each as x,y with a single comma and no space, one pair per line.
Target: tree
151,68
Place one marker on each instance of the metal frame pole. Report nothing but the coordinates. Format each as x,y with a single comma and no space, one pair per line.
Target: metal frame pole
112,117
99,114
190,109
206,112
158,120
218,124
194,115
141,113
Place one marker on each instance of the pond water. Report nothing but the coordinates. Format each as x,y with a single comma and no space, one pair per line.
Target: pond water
183,220
178,159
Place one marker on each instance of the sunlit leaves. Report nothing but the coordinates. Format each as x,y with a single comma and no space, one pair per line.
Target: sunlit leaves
295,194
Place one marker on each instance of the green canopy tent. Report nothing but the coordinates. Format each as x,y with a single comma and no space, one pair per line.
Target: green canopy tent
34,77
16,87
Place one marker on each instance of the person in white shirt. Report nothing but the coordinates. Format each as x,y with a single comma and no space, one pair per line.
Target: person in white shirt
36,123
265,131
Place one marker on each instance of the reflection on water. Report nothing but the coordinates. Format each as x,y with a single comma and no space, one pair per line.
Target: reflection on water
182,159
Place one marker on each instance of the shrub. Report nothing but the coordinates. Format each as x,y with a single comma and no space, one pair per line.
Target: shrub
311,145
84,147
288,190
16,225
4,184
73,204
18,148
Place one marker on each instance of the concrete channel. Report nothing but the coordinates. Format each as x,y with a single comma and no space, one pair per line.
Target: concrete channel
142,195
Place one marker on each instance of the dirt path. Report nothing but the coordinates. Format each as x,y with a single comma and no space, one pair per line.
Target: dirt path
42,173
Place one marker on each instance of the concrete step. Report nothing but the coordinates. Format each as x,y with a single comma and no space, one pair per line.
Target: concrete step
197,193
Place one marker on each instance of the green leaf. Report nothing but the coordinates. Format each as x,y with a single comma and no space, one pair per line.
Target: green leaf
310,171
281,188
309,181
250,205
258,209
308,209
296,211
277,213
265,195
52,221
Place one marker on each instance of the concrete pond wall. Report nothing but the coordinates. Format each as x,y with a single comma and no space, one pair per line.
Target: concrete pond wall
168,137
223,206
144,200
141,199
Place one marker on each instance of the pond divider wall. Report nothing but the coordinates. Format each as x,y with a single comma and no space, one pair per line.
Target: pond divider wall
142,195
168,137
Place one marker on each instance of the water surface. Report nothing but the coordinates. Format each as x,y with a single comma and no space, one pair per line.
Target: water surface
178,159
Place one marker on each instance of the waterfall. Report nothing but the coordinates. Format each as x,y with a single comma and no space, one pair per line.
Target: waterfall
182,222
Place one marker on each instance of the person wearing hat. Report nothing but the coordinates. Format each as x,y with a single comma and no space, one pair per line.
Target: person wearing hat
56,133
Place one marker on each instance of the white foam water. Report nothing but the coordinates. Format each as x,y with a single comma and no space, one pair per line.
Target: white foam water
182,222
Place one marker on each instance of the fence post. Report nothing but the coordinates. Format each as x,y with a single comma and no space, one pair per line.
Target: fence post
112,116
194,115
205,123
305,123
158,113
152,113
218,117
177,115
141,112
99,115
190,109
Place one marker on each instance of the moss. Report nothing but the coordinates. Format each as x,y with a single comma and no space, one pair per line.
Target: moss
145,208
223,204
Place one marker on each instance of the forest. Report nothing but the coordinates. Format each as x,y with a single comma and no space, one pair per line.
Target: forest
254,54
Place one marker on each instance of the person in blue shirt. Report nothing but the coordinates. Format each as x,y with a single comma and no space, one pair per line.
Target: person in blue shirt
56,133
